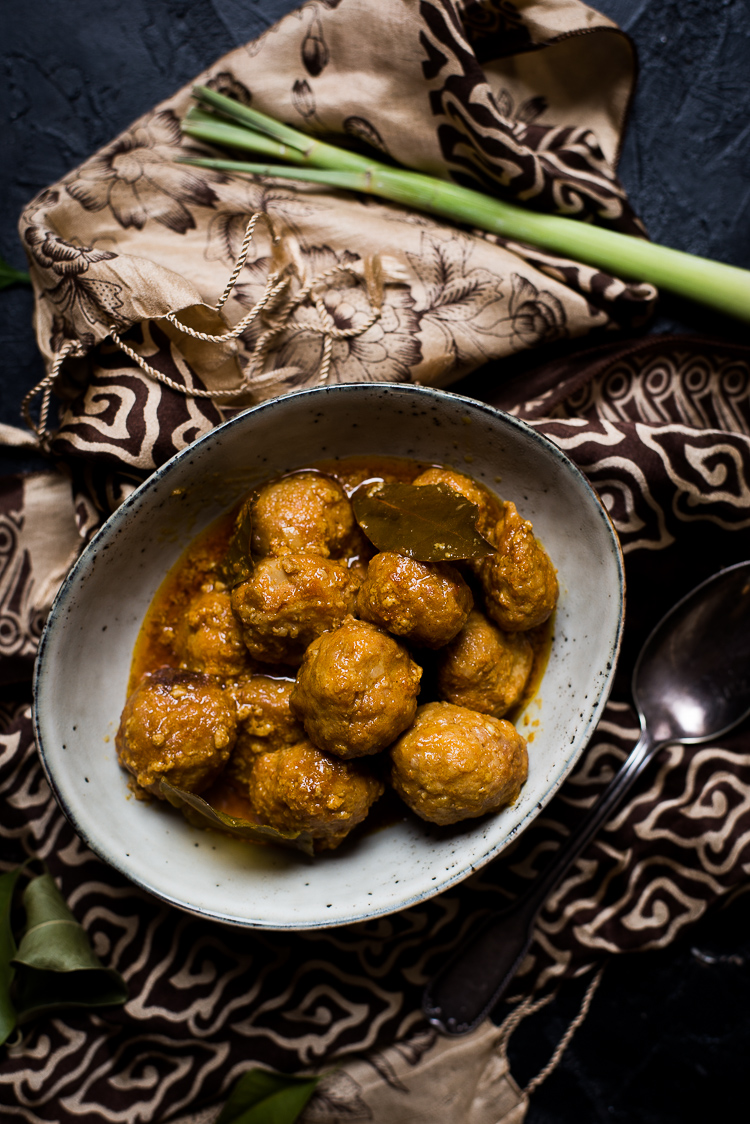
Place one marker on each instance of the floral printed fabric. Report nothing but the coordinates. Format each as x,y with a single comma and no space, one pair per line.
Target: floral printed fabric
525,101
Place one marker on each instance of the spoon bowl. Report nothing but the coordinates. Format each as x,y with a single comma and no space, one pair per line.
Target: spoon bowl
692,678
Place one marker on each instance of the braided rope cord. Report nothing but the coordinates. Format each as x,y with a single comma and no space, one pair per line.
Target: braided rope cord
70,347
276,306
564,1042
528,1007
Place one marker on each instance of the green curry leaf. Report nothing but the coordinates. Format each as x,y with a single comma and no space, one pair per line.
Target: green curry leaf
11,276
261,1097
430,523
199,813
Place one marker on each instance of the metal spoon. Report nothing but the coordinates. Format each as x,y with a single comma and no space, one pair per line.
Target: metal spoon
691,683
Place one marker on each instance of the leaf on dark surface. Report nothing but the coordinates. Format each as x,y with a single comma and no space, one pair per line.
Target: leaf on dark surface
7,952
199,813
11,276
238,562
56,967
262,1097
431,523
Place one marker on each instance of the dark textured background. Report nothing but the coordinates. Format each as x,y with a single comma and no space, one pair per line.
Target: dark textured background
667,1037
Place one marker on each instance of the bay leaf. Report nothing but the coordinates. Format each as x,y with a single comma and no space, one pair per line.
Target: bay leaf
263,1097
431,523
237,566
11,276
199,813
56,968
7,952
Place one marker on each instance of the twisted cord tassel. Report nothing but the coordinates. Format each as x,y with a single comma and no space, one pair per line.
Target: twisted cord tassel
530,1006
277,286
70,347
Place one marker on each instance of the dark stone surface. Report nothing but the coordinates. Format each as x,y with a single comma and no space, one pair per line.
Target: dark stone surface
74,76
665,1041
666,1038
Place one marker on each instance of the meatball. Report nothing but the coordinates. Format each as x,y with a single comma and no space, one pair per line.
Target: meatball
488,503
356,690
304,513
179,726
300,788
289,601
265,721
455,764
519,581
209,638
425,602
484,668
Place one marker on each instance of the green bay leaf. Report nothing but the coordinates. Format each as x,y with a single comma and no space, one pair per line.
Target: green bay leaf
7,952
52,940
430,523
263,1097
56,968
11,276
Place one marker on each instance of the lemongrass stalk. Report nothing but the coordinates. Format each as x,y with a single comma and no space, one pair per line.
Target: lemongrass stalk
315,152
725,288
204,126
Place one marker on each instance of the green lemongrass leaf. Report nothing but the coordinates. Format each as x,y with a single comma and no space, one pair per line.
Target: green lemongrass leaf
11,276
7,952
262,1097
56,966
348,180
430,523
251,118
312,150
715,284
237,566
199,813
206,127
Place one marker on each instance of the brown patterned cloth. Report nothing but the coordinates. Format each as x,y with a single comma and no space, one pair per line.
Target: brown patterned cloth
662,428
519,96
526,100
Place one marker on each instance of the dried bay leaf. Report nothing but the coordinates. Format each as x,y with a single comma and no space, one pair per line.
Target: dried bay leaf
237,566
199,813
430,523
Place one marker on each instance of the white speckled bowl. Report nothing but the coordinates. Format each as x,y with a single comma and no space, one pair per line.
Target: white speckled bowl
84,658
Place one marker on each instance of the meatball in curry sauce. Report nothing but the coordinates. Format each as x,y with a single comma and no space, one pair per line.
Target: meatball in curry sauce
303,513
356,690
288,690
456,764
179,727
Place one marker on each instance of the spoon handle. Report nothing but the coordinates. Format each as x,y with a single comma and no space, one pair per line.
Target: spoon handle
469,985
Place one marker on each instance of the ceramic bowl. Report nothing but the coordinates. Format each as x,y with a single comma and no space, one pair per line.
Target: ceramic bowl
85,654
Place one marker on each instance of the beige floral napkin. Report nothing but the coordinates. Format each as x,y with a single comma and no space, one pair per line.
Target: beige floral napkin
525,100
